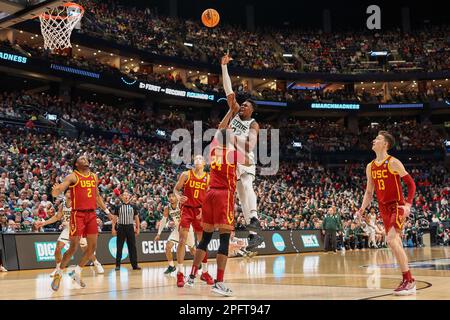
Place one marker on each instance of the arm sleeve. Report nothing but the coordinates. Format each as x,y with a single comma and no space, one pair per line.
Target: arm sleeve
226,80
411,187
162,224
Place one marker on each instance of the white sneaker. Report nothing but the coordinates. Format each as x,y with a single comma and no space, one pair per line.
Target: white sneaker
99,267
221,289
77,279
3,269
189,282
53,273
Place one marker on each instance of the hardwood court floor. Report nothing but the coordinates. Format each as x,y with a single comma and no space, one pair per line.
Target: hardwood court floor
367,274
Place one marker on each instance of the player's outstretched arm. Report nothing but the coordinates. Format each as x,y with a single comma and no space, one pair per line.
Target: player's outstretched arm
55,218
180,183
368,195
57,189
227,86
162,223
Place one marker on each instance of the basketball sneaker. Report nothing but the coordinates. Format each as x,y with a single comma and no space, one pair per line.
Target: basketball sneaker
56,281
53,273
170,269
207,278
3,269
406,288
99,267
180,280
254,224
77,278
190,281
254,240
221,289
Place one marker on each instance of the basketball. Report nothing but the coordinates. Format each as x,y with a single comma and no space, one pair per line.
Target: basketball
210,18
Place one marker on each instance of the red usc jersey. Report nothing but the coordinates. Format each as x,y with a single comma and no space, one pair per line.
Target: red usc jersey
387,183
84,193
195,189
223,169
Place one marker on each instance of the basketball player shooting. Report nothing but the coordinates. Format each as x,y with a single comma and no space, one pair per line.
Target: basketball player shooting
383,176
244,126
85,197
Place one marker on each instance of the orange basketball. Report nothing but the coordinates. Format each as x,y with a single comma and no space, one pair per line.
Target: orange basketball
210,18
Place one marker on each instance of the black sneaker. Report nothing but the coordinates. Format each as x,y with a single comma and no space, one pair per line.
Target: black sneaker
254,240
170,269
137,268
117,268
254,225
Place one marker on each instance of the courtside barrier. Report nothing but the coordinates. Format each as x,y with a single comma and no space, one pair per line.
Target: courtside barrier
24,251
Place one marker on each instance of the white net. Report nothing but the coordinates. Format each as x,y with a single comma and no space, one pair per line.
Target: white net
57,25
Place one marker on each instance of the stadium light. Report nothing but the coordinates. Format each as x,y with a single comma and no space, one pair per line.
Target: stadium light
187,44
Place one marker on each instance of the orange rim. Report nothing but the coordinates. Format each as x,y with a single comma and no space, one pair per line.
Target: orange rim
68,4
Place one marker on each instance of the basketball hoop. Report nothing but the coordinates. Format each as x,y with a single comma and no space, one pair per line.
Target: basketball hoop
57,25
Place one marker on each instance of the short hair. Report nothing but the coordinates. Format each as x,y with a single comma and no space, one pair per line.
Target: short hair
253,103
75,159
388,137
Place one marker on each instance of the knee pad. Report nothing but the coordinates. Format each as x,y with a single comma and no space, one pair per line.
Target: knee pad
206,239
224,244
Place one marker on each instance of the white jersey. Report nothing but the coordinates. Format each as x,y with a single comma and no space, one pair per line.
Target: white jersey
242,128
66,215
175,214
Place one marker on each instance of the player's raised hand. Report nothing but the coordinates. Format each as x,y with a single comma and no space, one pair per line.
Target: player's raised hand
55,190
182,199
226,59
359,213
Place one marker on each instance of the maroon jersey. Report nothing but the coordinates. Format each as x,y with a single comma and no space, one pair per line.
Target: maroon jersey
83,194
195,189
223,168
387,183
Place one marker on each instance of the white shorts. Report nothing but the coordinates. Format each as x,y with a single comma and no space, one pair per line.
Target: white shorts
175,237
241,169
64,237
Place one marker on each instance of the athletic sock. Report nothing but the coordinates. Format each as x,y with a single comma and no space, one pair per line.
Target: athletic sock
78,269
204,267
194,270
180,268
407,275
220,274
171,264
58,266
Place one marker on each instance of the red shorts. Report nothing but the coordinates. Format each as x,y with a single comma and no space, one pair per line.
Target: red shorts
83,223
218,209
189,216
392,216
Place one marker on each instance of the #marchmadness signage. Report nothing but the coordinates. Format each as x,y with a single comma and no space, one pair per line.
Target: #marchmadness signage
13,57
36,250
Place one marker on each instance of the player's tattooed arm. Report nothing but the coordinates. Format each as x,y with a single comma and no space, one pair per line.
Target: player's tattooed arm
180,183
57,189
368,195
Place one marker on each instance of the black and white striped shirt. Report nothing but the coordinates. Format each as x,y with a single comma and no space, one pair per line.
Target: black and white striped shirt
126,213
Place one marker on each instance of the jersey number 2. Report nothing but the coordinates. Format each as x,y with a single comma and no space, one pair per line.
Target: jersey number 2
89,194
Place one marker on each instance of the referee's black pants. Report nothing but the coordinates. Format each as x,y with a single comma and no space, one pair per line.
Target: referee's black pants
126,232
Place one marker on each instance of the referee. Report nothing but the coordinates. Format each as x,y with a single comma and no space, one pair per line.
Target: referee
127,214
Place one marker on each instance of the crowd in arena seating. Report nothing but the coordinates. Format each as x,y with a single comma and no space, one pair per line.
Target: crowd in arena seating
313,51
33,159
